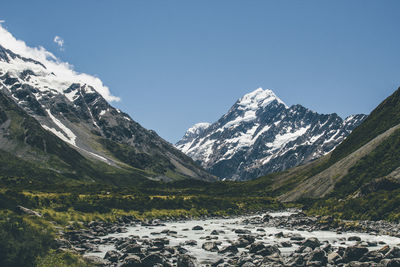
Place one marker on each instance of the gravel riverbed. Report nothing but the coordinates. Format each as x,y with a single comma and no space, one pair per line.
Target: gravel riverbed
269,239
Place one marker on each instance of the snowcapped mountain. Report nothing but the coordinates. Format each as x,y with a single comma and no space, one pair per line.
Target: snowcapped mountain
74,107
260,134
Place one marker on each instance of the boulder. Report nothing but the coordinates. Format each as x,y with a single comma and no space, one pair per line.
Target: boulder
132,261
210,246
248,264
374,256
197,228
190,243
318,255
394,252
186,261
297,237
354,253
96,261
242,231
217,262
133,248
153,259
385,249
112,256
255,247
266,218
268,250
214,232
286,244
390,263
334,258
230,249
311,242
354,238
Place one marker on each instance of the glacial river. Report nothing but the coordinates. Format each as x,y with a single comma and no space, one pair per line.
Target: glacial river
227,235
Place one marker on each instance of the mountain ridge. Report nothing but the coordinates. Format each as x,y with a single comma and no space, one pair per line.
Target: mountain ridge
260,134
81,117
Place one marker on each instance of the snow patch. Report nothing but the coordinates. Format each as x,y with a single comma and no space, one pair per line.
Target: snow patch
258,98
67,135
283,139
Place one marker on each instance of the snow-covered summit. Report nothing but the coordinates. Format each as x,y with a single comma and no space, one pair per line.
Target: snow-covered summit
258,98
261,134
46,71
198,127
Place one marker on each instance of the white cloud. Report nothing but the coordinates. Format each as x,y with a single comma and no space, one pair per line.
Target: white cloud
64,71
2,21
59,41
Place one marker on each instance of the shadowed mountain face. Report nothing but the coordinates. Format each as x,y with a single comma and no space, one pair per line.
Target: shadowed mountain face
79,116
261,135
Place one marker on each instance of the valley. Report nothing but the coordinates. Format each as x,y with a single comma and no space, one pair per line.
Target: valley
267,184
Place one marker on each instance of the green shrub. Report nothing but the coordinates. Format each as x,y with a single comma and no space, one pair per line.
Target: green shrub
22,242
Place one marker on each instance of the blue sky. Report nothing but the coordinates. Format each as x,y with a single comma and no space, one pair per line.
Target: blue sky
176,63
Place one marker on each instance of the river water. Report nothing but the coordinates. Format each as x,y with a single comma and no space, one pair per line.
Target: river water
227,235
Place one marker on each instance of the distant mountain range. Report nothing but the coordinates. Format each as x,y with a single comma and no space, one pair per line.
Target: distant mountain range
260,134
66,126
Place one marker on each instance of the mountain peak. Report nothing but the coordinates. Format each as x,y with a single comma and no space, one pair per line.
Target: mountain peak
258,98
201,126
194,132
49,71
260,135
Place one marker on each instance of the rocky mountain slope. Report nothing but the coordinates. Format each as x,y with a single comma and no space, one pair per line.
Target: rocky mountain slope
77,124
260,134
367,162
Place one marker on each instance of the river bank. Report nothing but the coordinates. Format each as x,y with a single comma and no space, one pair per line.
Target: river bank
269,239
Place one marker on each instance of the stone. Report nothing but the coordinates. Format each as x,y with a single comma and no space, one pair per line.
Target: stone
297,237
354,238
112,256
197,228
242,231
186,261
248,264
394,252
334,258
266,218
231,249
385,249
190,243
210,246
131,261
390,263
153,259
256,246
268,250
214,232
311,242
374,256
318,255
133,248
286,244
217,262
241,243
96,261
354,253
